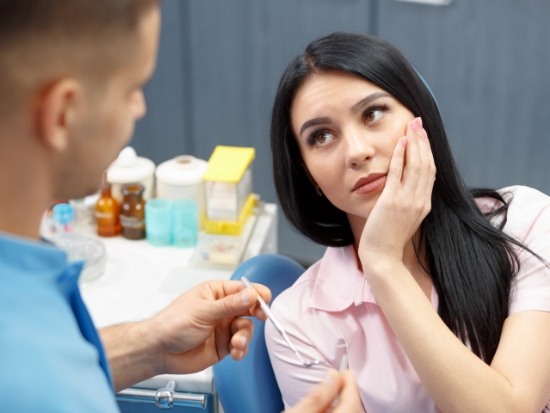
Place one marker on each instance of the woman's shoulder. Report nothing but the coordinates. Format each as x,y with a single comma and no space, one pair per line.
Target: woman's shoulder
320,286
523,196
297,292
528,220
526,206
518,196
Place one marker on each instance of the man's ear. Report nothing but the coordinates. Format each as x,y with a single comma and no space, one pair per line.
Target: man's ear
57,110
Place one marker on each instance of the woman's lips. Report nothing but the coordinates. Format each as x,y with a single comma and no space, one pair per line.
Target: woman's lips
369,184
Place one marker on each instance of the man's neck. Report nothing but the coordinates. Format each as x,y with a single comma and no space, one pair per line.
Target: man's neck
22,209
25,190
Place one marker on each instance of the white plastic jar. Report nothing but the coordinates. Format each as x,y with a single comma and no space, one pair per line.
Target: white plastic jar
130,168
181,178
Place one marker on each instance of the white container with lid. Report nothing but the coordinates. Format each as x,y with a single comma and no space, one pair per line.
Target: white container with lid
181,178
130,168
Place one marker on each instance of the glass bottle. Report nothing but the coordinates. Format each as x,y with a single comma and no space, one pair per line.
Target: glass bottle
132,211
107,210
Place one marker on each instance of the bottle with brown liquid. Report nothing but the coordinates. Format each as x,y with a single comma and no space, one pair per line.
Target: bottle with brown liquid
132,211
107,211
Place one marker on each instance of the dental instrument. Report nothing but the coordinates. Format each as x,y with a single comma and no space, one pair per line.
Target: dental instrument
279,327
344,363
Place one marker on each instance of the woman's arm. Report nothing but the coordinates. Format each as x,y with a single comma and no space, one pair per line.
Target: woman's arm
309,336
518,380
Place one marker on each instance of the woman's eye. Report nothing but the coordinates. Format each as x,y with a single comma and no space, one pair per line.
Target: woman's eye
320,138
374,113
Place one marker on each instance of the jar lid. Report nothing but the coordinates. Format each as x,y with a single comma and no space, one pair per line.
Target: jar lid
63,213
129,167
182,170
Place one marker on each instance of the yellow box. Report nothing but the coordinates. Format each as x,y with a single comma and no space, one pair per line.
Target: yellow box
228,189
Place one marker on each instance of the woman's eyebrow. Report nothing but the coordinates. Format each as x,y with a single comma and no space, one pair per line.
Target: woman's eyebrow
368,100
313,122
354,109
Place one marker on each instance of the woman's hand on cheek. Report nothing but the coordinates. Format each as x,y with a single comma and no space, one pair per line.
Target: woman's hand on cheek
405,200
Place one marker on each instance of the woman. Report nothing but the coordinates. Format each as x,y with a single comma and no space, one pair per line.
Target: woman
438,295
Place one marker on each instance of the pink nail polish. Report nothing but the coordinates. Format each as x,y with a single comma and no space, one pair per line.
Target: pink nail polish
419,123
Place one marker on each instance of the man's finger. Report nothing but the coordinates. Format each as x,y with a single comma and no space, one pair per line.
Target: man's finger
234,299
349,400
321,397
235,304
242,330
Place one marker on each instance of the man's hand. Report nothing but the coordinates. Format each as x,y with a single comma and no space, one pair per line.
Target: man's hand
337,394
206,323
198,329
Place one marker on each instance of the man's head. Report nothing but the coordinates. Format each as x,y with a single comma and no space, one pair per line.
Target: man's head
71,74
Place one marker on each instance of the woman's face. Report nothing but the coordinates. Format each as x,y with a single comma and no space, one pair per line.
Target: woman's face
347,129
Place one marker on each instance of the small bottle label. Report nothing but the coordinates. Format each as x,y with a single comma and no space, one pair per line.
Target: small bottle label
131,222
104,215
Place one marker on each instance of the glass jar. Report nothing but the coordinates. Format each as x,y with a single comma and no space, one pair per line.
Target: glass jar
107,211
132,211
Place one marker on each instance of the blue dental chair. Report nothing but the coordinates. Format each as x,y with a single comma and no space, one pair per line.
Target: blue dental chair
249,386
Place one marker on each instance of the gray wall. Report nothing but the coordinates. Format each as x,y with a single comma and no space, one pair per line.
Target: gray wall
486,61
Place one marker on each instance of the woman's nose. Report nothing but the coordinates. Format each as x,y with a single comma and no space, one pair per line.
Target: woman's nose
359,148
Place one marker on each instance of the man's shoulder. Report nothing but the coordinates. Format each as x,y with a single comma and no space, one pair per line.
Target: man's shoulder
43,355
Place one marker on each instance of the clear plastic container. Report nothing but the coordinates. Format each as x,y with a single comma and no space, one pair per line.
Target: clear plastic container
80,247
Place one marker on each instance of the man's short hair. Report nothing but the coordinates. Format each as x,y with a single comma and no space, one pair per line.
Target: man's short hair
38,35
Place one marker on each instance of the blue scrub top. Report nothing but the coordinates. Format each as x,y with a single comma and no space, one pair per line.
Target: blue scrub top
51,357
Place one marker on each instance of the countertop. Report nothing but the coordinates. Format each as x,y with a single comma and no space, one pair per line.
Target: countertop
140,279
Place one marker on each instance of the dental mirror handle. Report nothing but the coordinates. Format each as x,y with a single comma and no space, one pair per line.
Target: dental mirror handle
265,308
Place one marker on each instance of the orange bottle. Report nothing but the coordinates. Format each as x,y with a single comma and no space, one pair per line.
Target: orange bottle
107,212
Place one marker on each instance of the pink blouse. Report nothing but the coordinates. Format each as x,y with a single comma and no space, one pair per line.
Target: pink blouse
330,311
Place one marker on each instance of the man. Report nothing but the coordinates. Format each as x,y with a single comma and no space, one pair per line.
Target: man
71,77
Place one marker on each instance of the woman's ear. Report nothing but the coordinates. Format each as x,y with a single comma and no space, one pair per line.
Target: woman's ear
56,112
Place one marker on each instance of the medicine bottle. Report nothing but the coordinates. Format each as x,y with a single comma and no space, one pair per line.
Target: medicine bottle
132,211
107,211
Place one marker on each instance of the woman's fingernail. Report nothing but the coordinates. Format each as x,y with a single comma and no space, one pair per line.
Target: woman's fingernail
414,125
243,340
419,123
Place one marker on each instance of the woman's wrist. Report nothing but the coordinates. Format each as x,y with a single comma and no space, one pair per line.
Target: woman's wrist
381,268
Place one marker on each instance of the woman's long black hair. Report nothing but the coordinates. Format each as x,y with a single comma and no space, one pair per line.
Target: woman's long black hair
471,262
